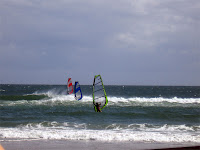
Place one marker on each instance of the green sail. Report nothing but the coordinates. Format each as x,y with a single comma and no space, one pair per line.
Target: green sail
99,93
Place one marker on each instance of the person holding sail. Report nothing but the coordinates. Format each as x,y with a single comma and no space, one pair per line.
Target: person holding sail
97,105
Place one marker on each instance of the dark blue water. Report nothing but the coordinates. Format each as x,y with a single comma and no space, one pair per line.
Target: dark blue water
133,113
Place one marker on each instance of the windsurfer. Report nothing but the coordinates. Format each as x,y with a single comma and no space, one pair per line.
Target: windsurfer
98,107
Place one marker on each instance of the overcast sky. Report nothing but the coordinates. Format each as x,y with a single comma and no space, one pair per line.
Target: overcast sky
134,42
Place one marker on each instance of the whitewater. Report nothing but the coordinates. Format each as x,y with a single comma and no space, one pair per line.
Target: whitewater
133,113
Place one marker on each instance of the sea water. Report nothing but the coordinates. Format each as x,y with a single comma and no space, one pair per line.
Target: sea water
134,113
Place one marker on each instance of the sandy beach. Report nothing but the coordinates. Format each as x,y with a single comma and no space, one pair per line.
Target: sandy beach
88,145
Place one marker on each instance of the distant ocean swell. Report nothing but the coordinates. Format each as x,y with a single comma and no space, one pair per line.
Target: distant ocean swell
112,99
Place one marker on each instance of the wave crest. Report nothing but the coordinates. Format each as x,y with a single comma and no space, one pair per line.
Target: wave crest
135,132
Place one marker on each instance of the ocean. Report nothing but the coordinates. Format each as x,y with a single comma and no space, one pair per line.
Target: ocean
134,113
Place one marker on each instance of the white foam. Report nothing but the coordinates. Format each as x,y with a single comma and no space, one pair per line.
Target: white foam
120,100
54,98
154,100
67,99
113,99
139,132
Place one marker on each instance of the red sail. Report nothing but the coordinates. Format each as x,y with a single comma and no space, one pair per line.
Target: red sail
69,86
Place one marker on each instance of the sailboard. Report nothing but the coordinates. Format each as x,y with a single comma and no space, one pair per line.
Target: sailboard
99,93
69,86
77,91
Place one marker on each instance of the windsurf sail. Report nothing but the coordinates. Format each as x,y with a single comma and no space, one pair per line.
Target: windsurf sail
77,91
99,93
69,86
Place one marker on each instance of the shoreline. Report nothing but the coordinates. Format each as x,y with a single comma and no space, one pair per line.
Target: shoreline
42,144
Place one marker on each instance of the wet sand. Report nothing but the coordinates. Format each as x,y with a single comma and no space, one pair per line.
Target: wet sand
1,148
90,145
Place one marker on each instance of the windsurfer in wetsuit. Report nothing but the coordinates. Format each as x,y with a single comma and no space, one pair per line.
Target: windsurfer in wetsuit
98,107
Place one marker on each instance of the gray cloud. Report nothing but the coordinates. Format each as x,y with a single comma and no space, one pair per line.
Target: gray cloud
127,41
